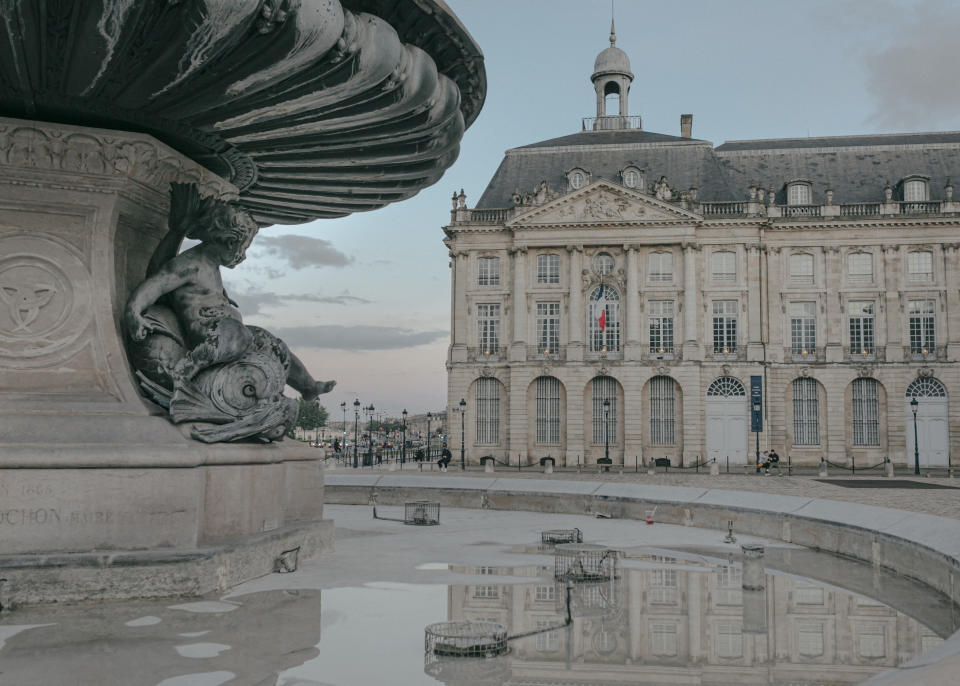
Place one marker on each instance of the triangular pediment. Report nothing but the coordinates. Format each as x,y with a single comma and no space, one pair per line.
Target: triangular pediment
604,203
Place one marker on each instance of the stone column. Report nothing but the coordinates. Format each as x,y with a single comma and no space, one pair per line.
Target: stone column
775,306
951,321
632,350
575,323
891,288
754,295
834,332
458,351
518,350
692,350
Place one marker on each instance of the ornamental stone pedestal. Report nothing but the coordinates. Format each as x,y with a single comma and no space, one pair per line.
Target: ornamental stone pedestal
92,476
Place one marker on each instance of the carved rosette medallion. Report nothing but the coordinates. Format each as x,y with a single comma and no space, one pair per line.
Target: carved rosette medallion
45,303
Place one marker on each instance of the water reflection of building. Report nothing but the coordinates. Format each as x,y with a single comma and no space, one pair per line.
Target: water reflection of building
693,625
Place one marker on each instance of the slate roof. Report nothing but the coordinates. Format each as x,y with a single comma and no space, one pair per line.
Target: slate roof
856,167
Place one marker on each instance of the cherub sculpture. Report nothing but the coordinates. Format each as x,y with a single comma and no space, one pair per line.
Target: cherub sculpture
188,343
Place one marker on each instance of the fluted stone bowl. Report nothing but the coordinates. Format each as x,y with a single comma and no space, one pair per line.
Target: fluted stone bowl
312,108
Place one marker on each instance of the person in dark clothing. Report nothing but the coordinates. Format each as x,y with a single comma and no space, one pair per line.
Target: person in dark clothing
773,460
445,457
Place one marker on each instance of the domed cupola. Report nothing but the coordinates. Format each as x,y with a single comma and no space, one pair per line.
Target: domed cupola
612,76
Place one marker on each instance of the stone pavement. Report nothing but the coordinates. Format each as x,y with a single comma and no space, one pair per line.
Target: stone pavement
942,502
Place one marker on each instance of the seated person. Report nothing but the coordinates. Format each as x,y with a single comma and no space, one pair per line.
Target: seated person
445,458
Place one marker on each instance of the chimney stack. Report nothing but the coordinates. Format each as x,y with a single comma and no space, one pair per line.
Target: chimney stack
686,125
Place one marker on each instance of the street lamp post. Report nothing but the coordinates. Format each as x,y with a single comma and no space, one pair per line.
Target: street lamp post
356,426
606,430
756,411
463,425
343,427
914,404
429,417
369,458
403,444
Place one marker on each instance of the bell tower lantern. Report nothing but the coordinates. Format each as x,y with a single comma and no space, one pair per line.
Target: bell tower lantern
611,80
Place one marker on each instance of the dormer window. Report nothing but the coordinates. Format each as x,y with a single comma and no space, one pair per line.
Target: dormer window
632,178
799,193
915,189
577,178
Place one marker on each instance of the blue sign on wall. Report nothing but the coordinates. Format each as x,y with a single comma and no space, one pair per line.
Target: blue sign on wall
756,403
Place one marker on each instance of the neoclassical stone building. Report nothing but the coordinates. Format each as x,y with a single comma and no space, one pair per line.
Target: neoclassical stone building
821,273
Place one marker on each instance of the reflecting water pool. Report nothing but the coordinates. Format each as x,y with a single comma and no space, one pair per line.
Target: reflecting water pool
675,611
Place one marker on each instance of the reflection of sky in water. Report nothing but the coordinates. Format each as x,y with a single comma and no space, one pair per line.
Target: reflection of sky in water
376,638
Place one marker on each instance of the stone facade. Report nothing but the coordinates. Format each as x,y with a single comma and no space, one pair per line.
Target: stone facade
791,264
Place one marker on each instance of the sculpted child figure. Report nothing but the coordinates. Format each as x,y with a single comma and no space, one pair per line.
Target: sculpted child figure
206,329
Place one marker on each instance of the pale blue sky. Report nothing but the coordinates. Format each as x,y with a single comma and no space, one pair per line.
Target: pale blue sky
367,297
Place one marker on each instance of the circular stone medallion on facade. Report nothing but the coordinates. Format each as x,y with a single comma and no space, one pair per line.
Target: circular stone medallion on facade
44,300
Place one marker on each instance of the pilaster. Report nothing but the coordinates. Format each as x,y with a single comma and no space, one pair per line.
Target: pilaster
518,349
632,350
692,350
576,321
891,287
833,276
952,317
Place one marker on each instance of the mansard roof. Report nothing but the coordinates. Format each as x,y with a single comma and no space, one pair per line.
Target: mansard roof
856,167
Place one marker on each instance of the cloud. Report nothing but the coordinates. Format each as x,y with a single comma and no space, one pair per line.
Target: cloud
361,337
303,251
253,301
912,77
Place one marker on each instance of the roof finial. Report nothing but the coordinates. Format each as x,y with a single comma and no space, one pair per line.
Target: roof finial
613,33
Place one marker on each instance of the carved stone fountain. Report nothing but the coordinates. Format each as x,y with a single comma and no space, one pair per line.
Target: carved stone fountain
138,444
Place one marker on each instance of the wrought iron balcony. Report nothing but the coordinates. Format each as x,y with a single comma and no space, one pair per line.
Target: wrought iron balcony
804,355
487,354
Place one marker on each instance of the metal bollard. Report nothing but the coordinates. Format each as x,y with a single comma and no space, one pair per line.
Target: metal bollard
888,468
488,467
822,472
714,468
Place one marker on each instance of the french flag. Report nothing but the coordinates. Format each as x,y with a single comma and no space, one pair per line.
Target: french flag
600,308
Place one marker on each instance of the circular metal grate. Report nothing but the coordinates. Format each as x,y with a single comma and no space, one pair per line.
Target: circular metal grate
554,537
465,639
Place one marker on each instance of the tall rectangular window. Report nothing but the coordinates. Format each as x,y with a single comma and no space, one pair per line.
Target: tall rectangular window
810,638
860,267
604,338
801,268
729,640
803,328
548,409
663,639
806,412
920,266
724,266
660,267
923,337
915,191
872,640
488,327
660,319
866,412
861,328
724,327
548,327
662,411
488,411
488,271
548,268
604,424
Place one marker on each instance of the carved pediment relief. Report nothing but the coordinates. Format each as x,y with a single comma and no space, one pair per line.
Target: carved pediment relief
604,203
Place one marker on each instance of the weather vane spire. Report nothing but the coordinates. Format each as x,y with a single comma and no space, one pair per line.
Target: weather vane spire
613,32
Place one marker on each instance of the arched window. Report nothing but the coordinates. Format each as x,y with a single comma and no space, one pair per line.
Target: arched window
726,387
548,392
799,193
806,412
801,268
603,263
864,397
488,411
662,411
604,426
926,387
603,325
915,190
724,266
611,99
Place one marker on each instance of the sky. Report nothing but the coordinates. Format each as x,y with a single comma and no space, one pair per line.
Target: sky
365,299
